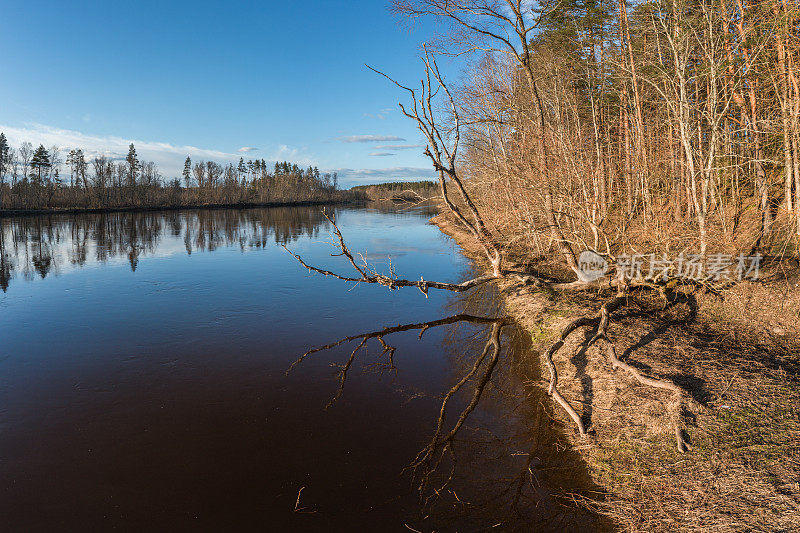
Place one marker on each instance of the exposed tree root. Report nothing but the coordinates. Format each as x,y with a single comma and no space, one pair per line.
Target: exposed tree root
548,359
602,322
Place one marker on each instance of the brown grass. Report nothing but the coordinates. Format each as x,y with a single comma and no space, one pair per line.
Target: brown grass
739,360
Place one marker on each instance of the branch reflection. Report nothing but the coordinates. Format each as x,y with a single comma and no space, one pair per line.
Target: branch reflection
496,455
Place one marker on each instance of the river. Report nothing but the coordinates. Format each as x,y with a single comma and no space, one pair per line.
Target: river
144,384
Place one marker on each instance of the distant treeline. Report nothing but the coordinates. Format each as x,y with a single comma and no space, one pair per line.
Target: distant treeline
398,191
397,186
44,178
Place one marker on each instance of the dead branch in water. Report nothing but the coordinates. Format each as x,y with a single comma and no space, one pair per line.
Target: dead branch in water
368,275
442,150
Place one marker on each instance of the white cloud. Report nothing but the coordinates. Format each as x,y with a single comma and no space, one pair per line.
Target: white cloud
168,157
370,138
381,115
398,146
381,154
294,155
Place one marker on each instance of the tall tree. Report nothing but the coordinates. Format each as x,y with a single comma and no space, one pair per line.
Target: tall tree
133,165
40,161
25,153
70,161
242,170
55,162
4,157
187,171
80,168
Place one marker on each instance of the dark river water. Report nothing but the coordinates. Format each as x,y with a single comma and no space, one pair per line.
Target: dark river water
144,385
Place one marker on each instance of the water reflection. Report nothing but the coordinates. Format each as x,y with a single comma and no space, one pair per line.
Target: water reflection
40,246
171,399
495,455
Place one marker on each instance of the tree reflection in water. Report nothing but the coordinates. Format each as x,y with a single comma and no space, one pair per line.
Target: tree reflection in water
43,245
496,456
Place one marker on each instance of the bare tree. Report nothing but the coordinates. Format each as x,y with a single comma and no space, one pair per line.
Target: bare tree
55,162
442,150
25,155
505,27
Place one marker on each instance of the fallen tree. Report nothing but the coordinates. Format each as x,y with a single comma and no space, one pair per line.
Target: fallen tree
442,150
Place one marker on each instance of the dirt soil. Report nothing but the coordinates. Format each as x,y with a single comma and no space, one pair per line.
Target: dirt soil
738,359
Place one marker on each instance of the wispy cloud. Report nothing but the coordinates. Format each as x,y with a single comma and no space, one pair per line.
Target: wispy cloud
381,154
381,115
371,138
168,157
285,152
398,146
245,149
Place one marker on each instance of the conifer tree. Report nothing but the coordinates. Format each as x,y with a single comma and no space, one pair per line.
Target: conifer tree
40,160
242,170
133,165
4,158
187,171
70,161
80,167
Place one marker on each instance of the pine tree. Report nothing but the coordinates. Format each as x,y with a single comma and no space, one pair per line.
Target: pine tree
4,159
40,160
133,165
80,167
71,164
187,171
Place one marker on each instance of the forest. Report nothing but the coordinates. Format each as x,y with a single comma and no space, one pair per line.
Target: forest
600,123
50,179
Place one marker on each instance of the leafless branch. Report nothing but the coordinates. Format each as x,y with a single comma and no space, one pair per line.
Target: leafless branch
369,275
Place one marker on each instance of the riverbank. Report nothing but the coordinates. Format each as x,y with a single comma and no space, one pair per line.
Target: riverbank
739,361
4,213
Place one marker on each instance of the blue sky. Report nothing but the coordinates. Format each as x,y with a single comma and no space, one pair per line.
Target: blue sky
207,79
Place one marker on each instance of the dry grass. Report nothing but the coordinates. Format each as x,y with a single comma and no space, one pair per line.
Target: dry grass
739,360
